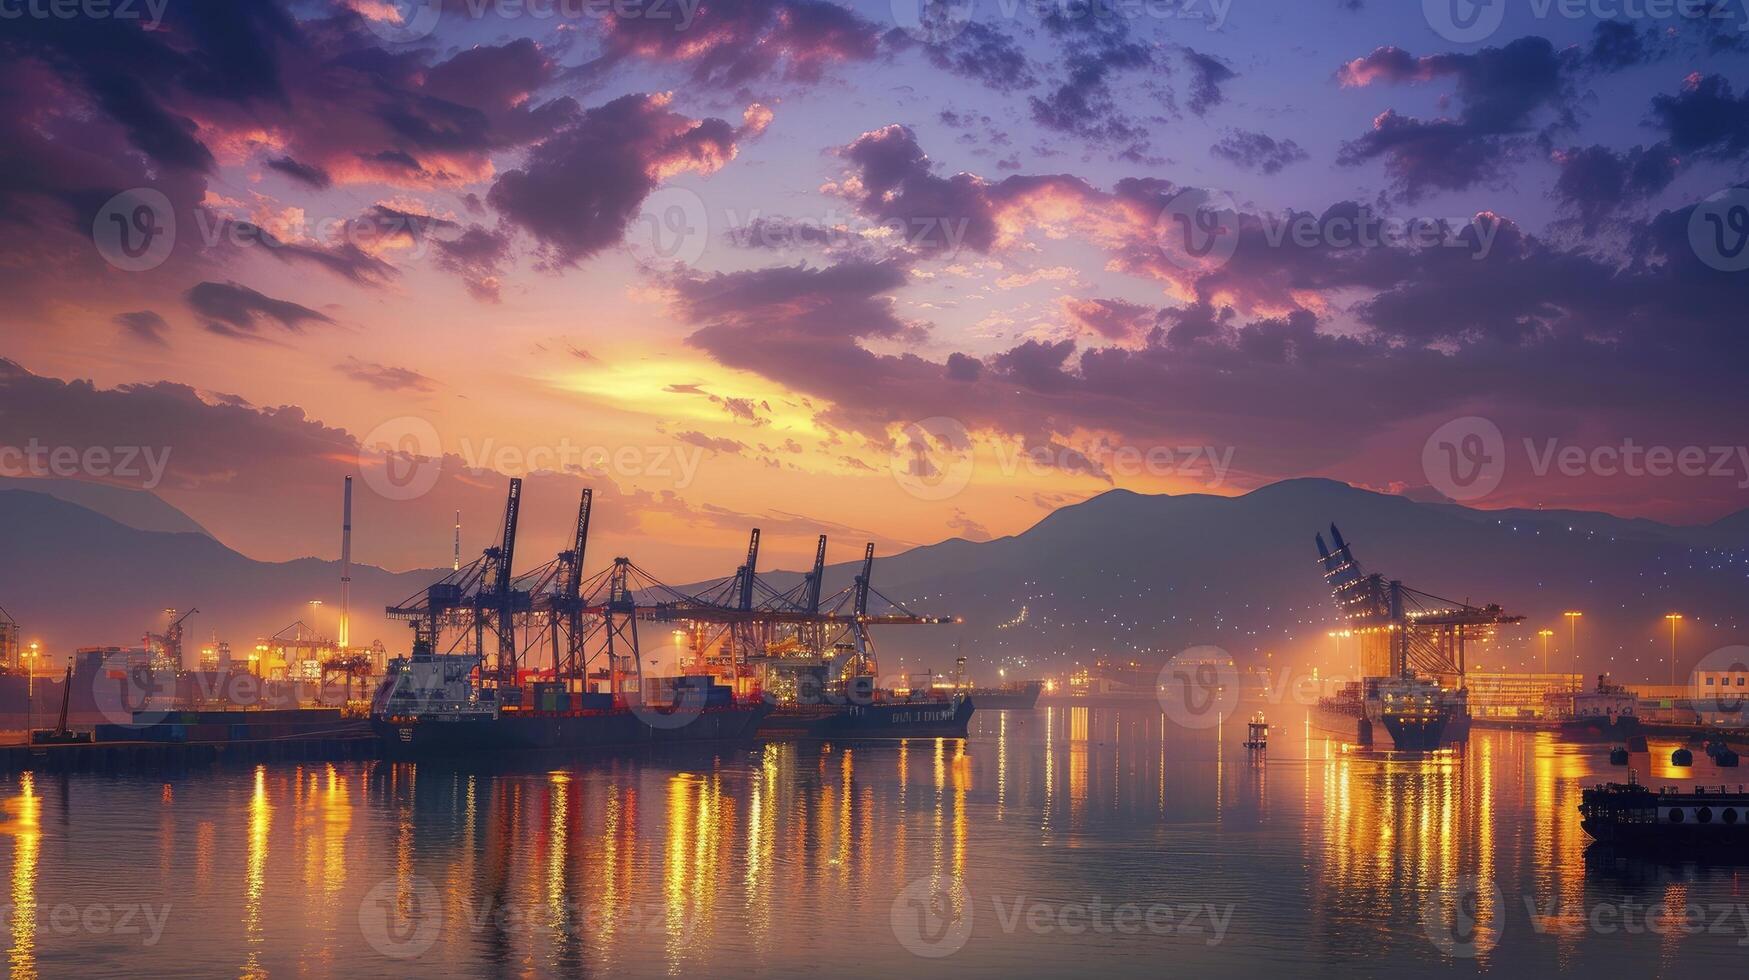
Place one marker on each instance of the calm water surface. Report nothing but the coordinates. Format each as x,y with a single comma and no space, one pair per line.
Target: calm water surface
1050,843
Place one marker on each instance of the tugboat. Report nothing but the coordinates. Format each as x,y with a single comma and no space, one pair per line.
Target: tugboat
1714,820
1605,713
813,706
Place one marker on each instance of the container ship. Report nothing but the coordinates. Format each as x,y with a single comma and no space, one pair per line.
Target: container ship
432,705
923,717
1411,656
1417,713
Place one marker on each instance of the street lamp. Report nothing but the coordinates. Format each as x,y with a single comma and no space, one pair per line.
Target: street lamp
1545,634
1573,636
1674,618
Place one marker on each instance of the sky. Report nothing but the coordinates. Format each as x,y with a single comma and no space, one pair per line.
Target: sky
883,271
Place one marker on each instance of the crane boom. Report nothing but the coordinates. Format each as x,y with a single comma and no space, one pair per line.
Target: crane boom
815,577
574,586
863,579
507,549
748,570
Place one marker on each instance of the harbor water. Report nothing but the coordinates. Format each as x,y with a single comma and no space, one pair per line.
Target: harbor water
1049,840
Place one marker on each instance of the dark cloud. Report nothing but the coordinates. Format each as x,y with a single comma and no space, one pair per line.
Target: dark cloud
625,147
732,43
144,325
475,256
1596,181
1207,75
981,52
1500,93
714,444
1112,319
310,176
1096,48
384,377
1258,151
1616,45
1705,117
243,310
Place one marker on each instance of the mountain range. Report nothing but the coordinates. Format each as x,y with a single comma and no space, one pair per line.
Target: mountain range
1121,574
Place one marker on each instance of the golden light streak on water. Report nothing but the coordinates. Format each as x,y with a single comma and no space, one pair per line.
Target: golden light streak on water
1002,765
558,845
24,813
255,876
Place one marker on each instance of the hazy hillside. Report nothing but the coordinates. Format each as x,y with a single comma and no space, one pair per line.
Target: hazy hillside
73,577
1121,572
1125,571
138,509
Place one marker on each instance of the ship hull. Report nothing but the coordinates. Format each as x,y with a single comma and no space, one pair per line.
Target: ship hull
1617,729
1020,698
1710,823
887,719
1355,729
458,735
1419,734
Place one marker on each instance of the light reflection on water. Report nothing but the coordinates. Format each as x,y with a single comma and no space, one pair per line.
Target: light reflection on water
787,858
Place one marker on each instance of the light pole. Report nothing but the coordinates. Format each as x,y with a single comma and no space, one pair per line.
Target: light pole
1573,638
1674,618
1545,634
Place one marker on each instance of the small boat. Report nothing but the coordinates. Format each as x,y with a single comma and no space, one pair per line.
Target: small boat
1714,819
1682,758
1257,733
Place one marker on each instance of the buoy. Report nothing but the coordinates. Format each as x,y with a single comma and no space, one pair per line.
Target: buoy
1682,758
1618,756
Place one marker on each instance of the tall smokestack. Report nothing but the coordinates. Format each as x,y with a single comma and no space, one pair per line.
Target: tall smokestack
456,564
346,569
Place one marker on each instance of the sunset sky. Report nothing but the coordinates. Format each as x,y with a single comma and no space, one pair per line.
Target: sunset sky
781,261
